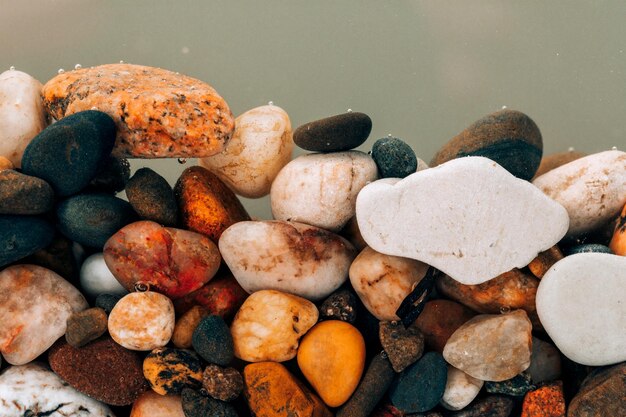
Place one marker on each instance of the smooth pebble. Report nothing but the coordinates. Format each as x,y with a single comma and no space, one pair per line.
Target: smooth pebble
96,278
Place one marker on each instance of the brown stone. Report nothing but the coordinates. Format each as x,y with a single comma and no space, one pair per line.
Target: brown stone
439,320
403,346
86,326
340,305
555,160
224,384
24,194
544,261
602,394
186,324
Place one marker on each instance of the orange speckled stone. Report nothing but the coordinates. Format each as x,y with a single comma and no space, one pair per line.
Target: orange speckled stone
618,241
544,261
439,320
547,401
158,113
206,204
271,391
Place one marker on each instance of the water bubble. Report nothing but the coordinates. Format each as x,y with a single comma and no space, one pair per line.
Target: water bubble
270,103
504,107
94,108
349,110
570,149
505,309
182,161
383,355
389,135
184,50
77,66
60,71
614,148
11,68
121,61
327,143
142,286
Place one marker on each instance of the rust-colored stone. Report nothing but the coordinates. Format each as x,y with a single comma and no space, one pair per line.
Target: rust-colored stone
546,401
618,241
544,261
439,320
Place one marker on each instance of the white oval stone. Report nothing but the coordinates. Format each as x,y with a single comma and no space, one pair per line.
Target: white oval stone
592,189
382,281
461,389
96,278
261,145
321,189
21,113
34,390
468,217
286,256
581,302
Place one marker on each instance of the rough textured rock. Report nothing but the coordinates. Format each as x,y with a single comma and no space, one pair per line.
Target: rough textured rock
340,305
58,256
23,194
212,340
112,176
151,404
21,236
152,197
546,401
85,326
403,346
196,404
224,384
169,370
439,319
335,133
158,114
394,158
517,386
602,394
461,389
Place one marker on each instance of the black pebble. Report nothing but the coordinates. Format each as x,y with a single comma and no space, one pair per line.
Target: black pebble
197,405
152,197
107,302
394,158
21,236
333,134
112,176
212,341
24,194
340,305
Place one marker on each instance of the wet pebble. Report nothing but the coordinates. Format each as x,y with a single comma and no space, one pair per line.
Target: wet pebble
439,320
461,389
169,371
224,384
185,326
195,404
152,197
517,386
394,158
212,341
601,394
112,176
340,305
107,302
545,401
151,404
96,278
21,236
85,326
403,346
23,194
337,133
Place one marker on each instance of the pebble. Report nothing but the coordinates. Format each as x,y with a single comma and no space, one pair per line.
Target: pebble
5,163
587,248
594,283
21,236
394,158
489,406
58,257
142,321
85,326
102,370
602,394
287,256
546,401
112,176
337,133
23,194
371,389
91,219
169,371
517,386
555,160
170,261
382,281
69,153
545,362
331,357
403,346
432,216
32,388
544,261
321,189
96,278
592,189
185,326
340,305
35,304
271,391
618,240
212,341
491,347
159,114
224,384
195,404
509,291
107,302
206,204
439,320
152,197
421,386
22,115
461,389
508,137
261,145
269,325
151,404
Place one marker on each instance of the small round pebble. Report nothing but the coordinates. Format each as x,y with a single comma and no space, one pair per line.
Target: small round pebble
587,248
23,194
21,236
85,326
212,341
334,134
340,305
152,197
170,370
224,384
197,405
394,158
96,278
107,302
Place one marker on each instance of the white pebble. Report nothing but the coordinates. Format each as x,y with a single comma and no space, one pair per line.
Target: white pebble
96,278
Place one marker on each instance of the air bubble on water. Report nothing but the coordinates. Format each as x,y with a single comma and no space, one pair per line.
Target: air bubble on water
77,66
504,107
614,148
570,149
327,143
182,161
60,71
11,68
94,108
142,286
389,135
184,50
121,61
349,110
505,309
270,103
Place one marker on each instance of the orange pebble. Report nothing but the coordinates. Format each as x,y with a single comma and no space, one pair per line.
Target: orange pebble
544,261
547,401
186,324
618,241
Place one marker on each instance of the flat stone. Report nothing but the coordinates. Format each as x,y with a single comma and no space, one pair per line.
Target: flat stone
34,390
169,371
461,389
489,406
618,240
22,115
35,304
151,404
403,346
158,114
491,347
545,362
545,401
196,404
152,197
592,189
85,326
286,256
96,278
23,194
439,320
224,384
602,394
432,216
260,147
394,158
335,133
596,284
212,340
21,236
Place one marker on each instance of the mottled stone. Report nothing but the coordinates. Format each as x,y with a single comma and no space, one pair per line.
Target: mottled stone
555,160
602,394
260,147
96,278
335,133
269,325
340,305
158,113
544,261
195,404
546,401
152,197
432,216
394,158
102,369
461,389
321,189
421,386
618,239
85,326
403,346
491,347
151,404
439,319
185,326
21,236
212,341
586,248
33,390
169,370
489,406
171,261
35,304
111,177
517,386
23,194
224,384
545,362
508,137
286,256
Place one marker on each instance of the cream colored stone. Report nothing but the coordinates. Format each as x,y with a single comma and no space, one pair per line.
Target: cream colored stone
21,113
592,189
269,325
286,256
260,147
383,281
35,304
151,404
461,389
321,189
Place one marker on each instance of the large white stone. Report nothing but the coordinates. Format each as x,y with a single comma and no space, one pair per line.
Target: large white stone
581,302
468,217
21,113
592,189
96,278
33,390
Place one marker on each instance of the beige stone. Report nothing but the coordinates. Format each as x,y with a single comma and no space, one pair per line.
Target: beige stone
461,389
151,404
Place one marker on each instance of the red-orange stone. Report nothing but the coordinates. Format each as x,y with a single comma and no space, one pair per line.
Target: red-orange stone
547,401
206,204
618,241
439,320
